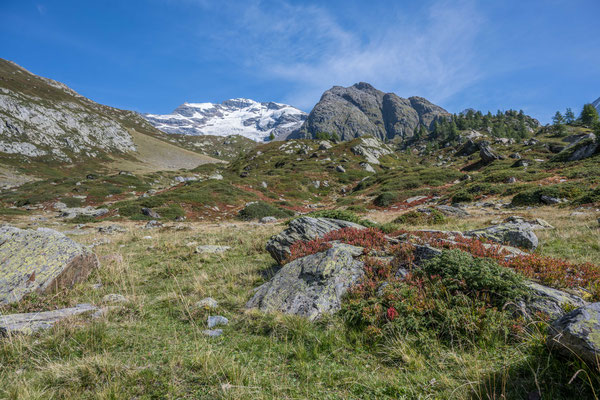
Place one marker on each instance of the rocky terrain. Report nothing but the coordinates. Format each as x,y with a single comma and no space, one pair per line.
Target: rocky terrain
363,110
396,251
597,104
244,117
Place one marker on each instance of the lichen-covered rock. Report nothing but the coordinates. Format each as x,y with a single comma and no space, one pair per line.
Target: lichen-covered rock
512,233
310,286
549,301
304,228
29,323
452,211
89,211
371,149
40,261
486,153
584,146
577,334
212,249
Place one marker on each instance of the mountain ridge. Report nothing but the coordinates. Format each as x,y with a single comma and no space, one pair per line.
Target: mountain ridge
239,116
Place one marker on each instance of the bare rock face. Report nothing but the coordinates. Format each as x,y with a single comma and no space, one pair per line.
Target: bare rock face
583,146
40,261
305,228
311,286
361,110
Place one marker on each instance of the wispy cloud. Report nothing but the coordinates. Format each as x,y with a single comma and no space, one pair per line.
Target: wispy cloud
432,54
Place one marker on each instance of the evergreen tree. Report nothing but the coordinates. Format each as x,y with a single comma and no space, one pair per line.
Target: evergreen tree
569,116
558,118
589,115
271,136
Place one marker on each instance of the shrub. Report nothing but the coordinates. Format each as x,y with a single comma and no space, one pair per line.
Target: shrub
461,272
462,197
261,209
385,199
428,216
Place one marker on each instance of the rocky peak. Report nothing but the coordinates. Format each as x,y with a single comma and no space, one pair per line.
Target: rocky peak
361,110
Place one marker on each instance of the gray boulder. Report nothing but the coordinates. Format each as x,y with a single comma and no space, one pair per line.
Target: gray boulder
40,261
212,249
89,211
549,301
577,334
468,148
304,228
511,233
150,213
486,153
452,211
371,149
29,323
310,286
584,146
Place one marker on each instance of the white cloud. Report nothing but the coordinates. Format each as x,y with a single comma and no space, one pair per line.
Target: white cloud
431,55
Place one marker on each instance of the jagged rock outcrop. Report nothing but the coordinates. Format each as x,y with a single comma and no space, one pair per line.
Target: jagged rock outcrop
577,334
361,110
40,261
486,153
311,286
304,228
28,323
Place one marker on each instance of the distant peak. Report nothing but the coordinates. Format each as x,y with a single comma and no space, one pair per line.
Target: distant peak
363,86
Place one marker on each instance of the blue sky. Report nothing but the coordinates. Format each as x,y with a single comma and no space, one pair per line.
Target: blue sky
152,55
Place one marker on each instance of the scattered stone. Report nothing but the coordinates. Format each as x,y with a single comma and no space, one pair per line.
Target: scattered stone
310,286
304,228
59,205
147,237
150,213
468,148
521,163
212,332
207,303
114,298
41,261
325,145
511,179
268,220
264,184
339,168
577,334
371,149
414,199
216,320
29,323
111,229
152,224
216,176
212,249
536,223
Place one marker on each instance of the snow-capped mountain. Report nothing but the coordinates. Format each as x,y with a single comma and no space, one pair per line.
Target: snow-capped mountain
244,117
597,104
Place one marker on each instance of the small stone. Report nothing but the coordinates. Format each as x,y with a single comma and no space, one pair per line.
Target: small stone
212,332
341,169
207,303
268,220
150,213
217,320
153,224
114,298
212,249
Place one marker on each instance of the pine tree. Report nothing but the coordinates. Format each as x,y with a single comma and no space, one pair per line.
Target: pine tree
569,116
589,115
558,118
271,136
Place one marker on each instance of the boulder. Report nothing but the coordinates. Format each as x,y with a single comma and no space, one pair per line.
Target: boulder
211,249
468,148
583,146
29,323
371,149
268,220
216,320
207,303
516,234
452,211
89,211
577,334
487,154
341,169
310,286
304,228
549,301
150,213
40,261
